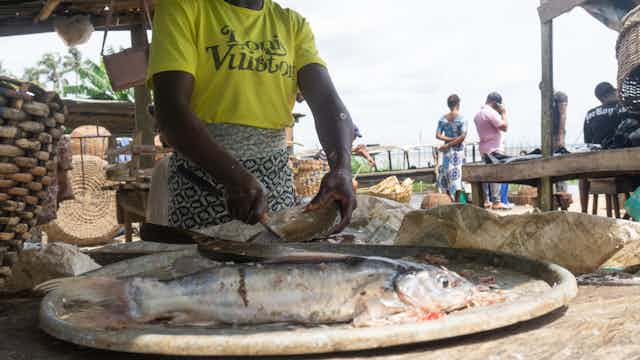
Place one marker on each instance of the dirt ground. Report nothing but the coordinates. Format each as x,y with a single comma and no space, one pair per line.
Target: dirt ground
602,323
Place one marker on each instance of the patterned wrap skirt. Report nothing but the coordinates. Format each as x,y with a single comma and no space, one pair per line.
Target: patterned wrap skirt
450,170
261,151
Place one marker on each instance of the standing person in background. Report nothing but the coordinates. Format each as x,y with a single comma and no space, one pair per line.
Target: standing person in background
491,122
558,133
452,130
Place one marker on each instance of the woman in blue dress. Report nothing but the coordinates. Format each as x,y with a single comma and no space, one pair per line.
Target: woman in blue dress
452,130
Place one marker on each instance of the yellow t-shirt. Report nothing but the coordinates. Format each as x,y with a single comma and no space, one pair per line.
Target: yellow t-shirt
244,61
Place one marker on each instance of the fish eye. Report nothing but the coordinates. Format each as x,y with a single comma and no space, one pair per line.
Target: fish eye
445,283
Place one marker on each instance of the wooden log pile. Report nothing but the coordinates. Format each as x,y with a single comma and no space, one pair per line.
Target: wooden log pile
31,122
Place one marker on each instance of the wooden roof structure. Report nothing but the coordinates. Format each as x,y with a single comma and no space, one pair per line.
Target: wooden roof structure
548,11
20,17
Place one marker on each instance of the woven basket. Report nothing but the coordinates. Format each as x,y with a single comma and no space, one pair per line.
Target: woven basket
89,219
434,199
526,195
307,176
628,54
32,123
95,140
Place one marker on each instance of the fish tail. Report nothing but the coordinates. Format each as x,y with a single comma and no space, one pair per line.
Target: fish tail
101,301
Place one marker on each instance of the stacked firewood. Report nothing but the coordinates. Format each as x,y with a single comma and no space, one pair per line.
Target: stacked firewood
31,122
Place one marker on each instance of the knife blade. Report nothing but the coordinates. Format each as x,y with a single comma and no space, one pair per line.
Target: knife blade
208,187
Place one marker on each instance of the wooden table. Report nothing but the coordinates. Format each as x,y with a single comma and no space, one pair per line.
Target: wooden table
131,203
599,164
427,175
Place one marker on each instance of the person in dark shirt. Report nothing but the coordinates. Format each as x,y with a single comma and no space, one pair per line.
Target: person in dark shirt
601,122
600,127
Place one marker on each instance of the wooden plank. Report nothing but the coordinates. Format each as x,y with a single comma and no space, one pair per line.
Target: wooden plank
545,190
551,9
48,8
477,194
600,163
25,26
144,133
427,175
111,107
117,125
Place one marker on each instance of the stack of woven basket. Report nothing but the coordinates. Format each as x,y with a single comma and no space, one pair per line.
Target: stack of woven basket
307,176
31,122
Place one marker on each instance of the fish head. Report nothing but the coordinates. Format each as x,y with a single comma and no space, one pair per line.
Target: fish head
434,289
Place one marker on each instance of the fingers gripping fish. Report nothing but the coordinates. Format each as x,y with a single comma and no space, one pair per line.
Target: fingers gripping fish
362,291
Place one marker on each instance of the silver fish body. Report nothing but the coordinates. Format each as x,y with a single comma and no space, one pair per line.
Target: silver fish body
335,292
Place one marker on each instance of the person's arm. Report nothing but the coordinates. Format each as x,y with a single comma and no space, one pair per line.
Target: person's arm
459,140
186,133
335,131
502,123
440,133
441,136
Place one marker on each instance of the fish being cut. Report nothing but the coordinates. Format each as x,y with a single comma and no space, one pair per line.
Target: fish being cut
363,291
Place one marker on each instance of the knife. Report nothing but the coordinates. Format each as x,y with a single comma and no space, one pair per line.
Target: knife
236,251
208,187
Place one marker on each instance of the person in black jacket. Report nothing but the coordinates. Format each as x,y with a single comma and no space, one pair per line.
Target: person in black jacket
601,122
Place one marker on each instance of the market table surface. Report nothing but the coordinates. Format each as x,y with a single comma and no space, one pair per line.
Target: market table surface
602,322
597,164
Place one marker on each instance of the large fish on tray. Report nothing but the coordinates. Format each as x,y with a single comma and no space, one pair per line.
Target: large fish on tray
364,291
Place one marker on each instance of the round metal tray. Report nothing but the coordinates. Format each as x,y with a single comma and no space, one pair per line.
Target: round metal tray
534,288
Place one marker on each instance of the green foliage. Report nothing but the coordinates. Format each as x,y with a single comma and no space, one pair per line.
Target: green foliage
4,71
94,84
49,72
72,75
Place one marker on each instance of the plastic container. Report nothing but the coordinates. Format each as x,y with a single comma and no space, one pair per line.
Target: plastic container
632,206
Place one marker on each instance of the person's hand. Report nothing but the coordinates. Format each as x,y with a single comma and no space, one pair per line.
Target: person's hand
444,147
501,109
336,188
245,198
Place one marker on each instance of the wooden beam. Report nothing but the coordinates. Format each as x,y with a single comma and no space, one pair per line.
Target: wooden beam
545,190
144,124
551,9
426,175
597,164
48,8
109,107
25,26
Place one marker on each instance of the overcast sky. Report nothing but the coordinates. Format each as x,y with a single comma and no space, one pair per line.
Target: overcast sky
394,63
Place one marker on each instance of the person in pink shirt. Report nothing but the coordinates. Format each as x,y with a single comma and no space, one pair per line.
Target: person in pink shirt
491,122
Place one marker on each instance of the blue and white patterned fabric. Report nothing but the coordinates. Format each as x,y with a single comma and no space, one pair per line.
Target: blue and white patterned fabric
450,169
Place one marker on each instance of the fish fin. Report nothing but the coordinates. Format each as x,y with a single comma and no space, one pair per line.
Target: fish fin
308,257
51,285
100,301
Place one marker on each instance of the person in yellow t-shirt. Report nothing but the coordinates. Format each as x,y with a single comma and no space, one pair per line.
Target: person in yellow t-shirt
225,75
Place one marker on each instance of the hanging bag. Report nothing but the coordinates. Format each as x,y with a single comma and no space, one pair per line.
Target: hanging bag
127,68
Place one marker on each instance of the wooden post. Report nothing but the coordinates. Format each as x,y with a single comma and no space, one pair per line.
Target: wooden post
545,190
144,124
477,194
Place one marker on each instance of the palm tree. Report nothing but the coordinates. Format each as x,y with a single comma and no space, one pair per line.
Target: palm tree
49,72
4,71
73,62
94,84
